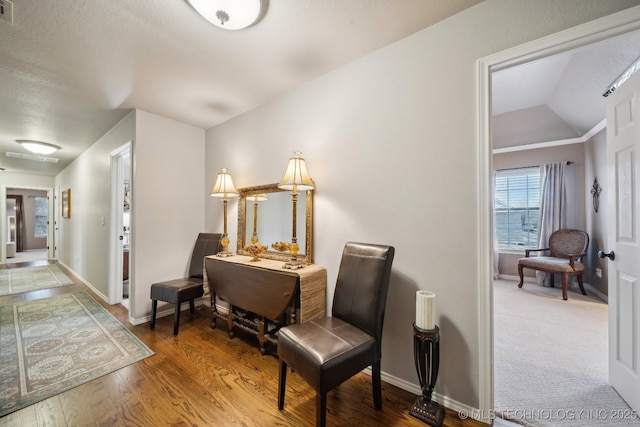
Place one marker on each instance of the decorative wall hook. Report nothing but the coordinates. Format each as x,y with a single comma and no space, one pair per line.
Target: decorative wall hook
595,192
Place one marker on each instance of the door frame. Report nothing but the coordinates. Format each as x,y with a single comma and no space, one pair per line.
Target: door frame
116,223
3,218
591,32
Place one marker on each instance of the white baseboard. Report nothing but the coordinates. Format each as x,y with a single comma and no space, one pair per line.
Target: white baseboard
454,405
83,280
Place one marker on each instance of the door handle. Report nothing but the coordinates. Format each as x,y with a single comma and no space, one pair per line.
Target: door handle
611,255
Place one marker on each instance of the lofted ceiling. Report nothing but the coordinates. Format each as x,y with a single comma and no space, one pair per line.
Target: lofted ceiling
71,69
559,97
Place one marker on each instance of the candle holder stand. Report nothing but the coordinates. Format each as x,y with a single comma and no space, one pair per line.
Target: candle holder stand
426,354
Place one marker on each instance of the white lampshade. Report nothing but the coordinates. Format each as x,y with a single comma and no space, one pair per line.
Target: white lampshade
257,198
296,177
425,309
38,147
224,186
230,14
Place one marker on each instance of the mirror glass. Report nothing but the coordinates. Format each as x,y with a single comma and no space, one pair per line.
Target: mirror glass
272,220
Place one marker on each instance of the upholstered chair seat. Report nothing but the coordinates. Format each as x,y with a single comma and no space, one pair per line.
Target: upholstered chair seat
326,352
177,291
566,249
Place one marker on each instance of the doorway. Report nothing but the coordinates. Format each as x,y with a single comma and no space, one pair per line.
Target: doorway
29,225
596,31
121,242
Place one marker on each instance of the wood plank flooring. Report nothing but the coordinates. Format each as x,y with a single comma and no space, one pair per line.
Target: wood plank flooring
203,378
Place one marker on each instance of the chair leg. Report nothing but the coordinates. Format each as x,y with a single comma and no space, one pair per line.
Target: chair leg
565,285
282,382
377,384
552,281
581,284
154,309
521,274
192,306
176,319
321,409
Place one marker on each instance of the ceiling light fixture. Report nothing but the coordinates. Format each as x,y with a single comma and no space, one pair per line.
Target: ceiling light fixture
38,147
230,14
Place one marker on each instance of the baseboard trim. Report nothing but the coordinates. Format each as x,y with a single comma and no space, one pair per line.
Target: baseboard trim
452,404
85,281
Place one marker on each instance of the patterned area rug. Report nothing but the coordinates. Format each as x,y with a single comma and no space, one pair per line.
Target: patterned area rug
54,344
16,280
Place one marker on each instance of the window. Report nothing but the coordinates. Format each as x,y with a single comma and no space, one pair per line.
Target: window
517,207
42,213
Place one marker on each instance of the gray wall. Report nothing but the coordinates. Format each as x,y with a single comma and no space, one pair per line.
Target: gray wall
391,142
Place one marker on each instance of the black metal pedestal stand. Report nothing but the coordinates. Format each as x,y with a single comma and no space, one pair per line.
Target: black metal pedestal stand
426,353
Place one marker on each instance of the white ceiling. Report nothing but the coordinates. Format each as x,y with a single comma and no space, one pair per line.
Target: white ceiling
71,69
558,97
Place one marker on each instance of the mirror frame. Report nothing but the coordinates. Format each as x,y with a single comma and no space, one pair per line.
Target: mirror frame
271,254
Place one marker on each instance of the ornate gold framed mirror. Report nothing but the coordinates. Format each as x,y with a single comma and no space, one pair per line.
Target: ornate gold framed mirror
270,220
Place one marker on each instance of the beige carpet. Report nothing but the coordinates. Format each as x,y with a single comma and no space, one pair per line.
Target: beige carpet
25,279
551,361
54,344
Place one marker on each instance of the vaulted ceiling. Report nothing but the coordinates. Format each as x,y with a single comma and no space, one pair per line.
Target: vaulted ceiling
558,97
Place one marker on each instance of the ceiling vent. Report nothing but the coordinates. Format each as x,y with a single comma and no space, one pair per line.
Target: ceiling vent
32,157
6,11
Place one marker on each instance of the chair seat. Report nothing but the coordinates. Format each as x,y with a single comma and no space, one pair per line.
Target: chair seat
325,345
178,290
559,265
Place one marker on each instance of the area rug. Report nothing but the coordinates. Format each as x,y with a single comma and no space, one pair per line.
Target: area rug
24,279
551,361
54,344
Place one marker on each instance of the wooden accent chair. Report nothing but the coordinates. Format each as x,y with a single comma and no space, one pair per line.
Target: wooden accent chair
189,288
326,352
566,249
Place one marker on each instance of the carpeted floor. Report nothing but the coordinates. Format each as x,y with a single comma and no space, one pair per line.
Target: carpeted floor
54,344
551,361
25,279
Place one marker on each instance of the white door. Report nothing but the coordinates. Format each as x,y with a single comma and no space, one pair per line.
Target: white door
623,163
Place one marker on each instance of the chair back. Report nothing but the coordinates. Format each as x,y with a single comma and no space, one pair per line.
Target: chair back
361,289
206,244
565,242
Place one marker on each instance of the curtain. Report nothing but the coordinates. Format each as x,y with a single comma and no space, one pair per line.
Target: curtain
553,207
496,252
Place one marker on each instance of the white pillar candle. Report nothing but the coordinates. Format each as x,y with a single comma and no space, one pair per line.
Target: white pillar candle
425,309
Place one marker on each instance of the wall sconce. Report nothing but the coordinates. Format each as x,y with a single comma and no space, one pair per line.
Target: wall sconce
296,178
256,199
224,188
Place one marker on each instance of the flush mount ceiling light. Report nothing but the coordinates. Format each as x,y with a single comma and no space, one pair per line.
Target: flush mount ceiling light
38,147
230,14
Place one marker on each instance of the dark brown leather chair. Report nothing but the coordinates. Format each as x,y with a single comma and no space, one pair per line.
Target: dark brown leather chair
189,288
326,352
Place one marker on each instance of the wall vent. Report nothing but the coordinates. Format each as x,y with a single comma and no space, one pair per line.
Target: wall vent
6,11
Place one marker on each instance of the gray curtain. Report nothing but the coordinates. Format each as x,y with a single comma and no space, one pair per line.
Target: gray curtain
553,207
496,252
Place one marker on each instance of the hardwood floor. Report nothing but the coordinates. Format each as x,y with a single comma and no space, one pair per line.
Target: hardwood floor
203,378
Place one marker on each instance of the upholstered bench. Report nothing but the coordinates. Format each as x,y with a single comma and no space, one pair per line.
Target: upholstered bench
567,247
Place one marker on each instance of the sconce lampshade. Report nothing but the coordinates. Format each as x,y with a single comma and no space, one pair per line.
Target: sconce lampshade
224,186
296,177
257,198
